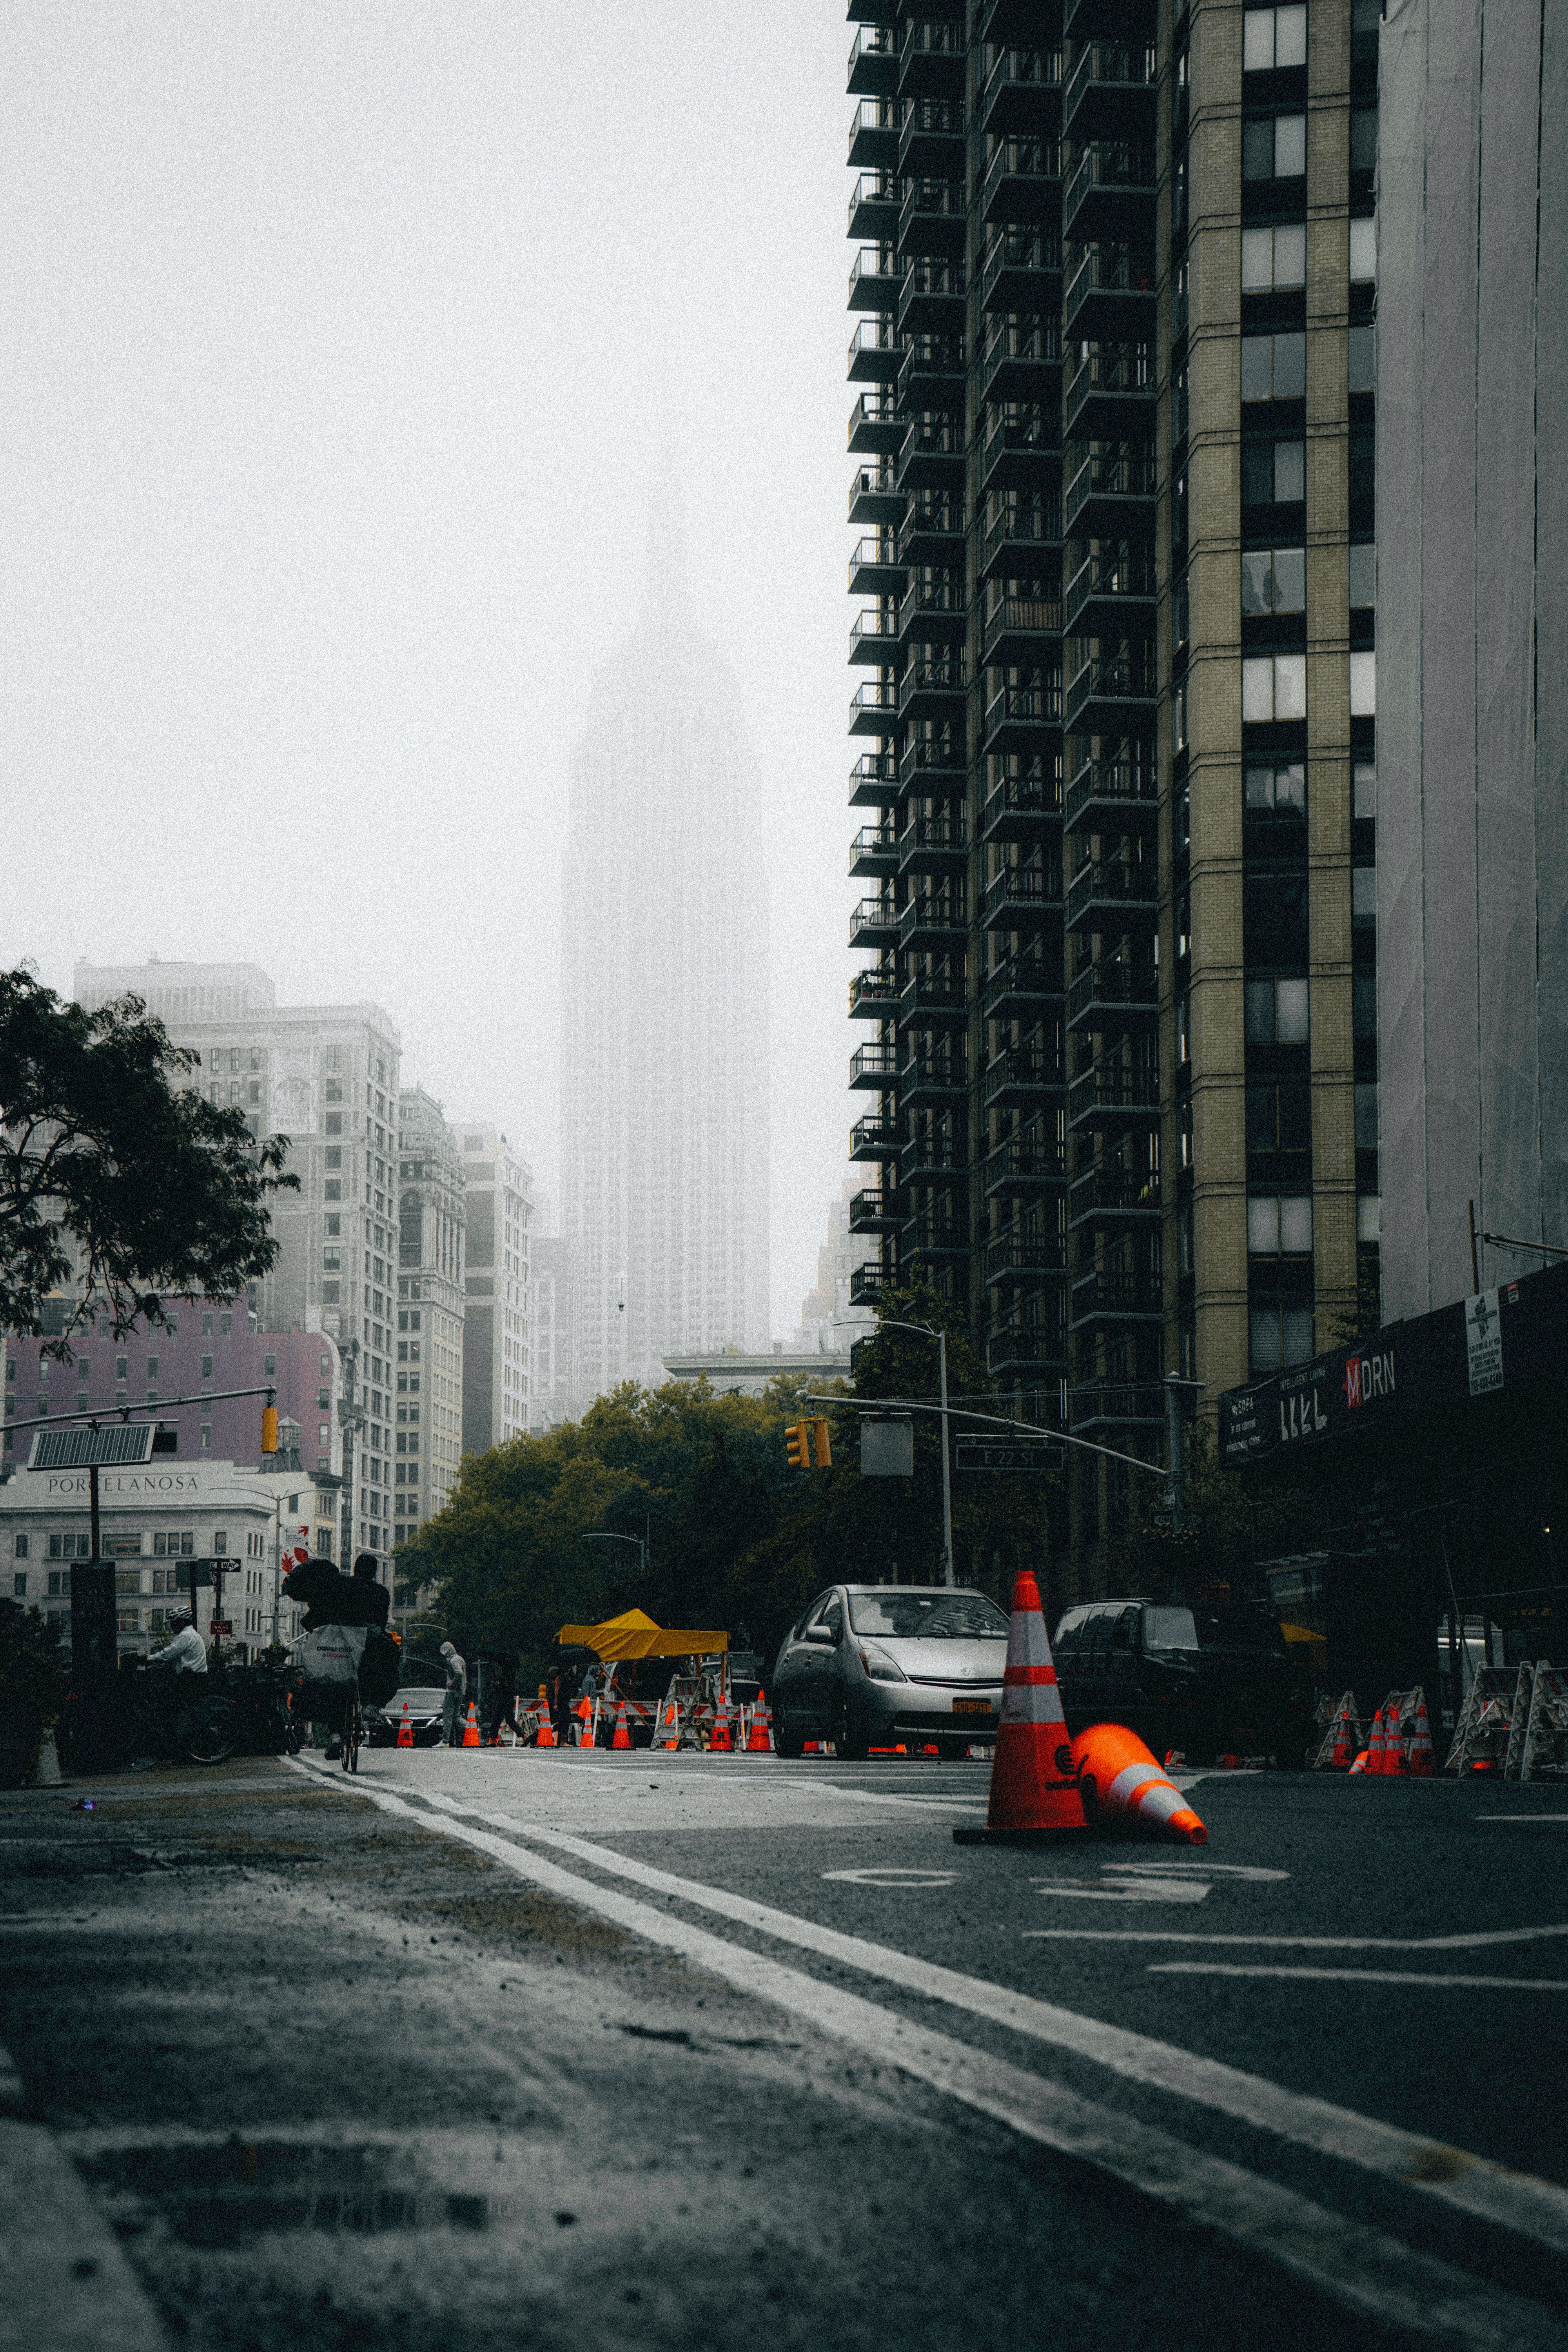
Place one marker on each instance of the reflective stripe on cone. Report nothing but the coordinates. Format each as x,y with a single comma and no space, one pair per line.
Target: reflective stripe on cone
1033,1777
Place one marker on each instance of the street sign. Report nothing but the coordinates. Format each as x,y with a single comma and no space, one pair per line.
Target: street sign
886,1446
989,1453
197,1573
222,1625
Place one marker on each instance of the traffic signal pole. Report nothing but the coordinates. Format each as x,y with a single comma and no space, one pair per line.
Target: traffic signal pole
946,1481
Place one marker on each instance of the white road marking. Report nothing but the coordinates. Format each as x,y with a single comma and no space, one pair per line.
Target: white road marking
1366,2270
875,1797
1538,2208
1520,1817
1136,1890
893,1877
1355,1975
1302,1943
1167,1863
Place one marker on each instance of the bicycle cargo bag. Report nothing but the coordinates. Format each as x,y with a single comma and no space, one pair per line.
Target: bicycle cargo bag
332,1653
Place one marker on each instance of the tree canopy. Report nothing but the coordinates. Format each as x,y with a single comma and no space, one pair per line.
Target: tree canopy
134,1189
734,1536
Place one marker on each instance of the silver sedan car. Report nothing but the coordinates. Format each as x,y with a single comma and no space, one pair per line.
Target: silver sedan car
877,1665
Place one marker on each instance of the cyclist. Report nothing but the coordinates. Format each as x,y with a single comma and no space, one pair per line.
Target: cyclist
187,1652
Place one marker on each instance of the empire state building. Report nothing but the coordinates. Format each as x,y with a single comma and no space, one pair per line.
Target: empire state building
664,997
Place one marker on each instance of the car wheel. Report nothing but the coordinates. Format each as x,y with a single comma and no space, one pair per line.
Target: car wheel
847,1748
787,1742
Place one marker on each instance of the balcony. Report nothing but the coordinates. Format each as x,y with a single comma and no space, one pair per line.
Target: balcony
874,135
932,58
873,209
934,612
935,767
1110,93
1021,988
932,373
1114,994
1020,1077
1106,1196
1118,1404
874,993
932,219
1023,633
1022,899
873,1065
933,537
875,1138
933,1237
1112,494
866,1284
875,429
933,1000
932,139
1023,1167
1022,94
876,1211
1022,537
1111,194
873,640
1112,395
1112,595
1020,1353
1114,694
1027,808
1022,450
875,850
1109,894
933,688
874,780
933,455
873,708
933,844
875,568
1107,796
1021,271
932,297
1111,296
933,1162
1111,1093
1119,1298
933,923
1020,359
1017,718
935,1080
874,923
1022,182
873,71
1021,1261
874,497
875,352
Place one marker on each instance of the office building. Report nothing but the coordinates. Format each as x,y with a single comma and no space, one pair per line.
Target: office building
431,1301
1113,360
834,1312
664,996
498,1190
556,1338
1472,691
325,1078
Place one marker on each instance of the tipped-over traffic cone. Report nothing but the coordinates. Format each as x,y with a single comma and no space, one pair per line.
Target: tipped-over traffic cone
1422,1763
720,1742
666,1731
1124,1787
759,1739
405,1729
1362,1763
623,1737
545,1736
472,1728
1034,1779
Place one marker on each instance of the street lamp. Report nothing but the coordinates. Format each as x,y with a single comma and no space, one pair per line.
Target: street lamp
605,1536
887,1323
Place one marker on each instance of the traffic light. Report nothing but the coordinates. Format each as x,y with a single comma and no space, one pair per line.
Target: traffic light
269,1429
797,1444
824,1450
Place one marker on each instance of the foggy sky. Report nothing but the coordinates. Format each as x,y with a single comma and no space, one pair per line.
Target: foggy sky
334,336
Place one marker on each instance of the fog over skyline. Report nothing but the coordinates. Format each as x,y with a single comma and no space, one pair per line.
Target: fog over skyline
336,342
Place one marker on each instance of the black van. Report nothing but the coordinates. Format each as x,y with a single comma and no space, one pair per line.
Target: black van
1209,1681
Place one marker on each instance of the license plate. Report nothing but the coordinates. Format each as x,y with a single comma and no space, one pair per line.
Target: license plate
972,1706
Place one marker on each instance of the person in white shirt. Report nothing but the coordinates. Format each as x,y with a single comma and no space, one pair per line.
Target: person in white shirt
186,1653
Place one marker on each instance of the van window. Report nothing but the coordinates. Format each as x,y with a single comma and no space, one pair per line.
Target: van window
833,1617
1094,1649
1065,1647
1125,1634
812,1614
1167,1626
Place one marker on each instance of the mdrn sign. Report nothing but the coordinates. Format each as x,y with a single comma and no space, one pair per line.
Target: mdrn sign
1367,1377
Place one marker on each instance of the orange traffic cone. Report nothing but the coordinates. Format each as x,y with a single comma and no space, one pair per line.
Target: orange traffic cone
721,1743
623,1737
1362,1763
1124,1787
584,1712
545,1736
405,1729
1394,1756
1422,1763
759,1739
1034,1779
1374,1745
1344,1755
666,1731
472,1728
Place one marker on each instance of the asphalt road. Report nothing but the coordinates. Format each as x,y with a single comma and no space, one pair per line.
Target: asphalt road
501,2047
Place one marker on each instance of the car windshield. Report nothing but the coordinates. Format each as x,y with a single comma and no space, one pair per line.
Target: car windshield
1170,1627
418,1701
927,1616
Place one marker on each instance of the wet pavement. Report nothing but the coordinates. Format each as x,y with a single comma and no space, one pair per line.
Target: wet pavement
510,2048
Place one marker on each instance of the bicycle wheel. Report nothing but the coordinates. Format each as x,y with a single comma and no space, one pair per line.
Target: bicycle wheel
353,1731
207,1731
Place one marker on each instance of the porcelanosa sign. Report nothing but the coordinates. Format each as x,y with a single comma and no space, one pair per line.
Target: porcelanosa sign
68,1486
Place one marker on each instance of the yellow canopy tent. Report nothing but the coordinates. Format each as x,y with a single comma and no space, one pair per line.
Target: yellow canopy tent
634,1635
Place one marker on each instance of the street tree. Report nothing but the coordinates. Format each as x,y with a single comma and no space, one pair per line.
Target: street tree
115,1178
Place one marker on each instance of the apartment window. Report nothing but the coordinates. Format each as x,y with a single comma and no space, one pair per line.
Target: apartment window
1363,138
1366,1114
19,1586
234,1057
42,1367
1280,1225
207,1438
152,1368
334,1225
1369,1217
207,1326
334,1122
21,1548
1273,688
323,1433
1363,896
331,1256
207,1368
72,1546
1363,1008
1277,1011
1187,1243
1280,1117
333,1156
256,1091
332,1057
1274,259
1363,251
268,1366
1183,913
1365,17
1362,575
333,1188
1272,38
331,1294
1364,791
1273,473
1281,1335
1361,356
333,1090
1274,367
1274,901
1276,148
1179,717
1274,579
1364,685
233,1090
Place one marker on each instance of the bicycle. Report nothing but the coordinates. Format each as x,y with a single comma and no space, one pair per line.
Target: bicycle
353,1731
161,1718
